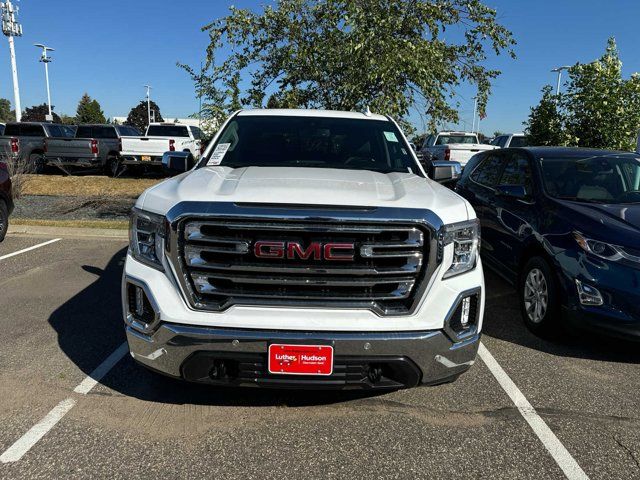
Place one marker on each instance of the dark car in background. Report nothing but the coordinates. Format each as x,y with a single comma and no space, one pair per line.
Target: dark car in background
564,226
6,202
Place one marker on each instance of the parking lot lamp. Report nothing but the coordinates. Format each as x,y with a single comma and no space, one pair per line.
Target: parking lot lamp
148,87
11,28
46,59
559,70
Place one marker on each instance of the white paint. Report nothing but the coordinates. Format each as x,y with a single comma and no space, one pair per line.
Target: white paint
39,430
94,377
557,450
9,255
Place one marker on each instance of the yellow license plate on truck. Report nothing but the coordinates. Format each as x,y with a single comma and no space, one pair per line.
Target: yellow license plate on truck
146,158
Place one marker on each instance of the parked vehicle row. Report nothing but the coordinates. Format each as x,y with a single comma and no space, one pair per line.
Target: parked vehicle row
452,146
107,148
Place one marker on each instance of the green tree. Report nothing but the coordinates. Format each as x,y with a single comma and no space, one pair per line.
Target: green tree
602,108
38,113
67,120
139,117
392,56
6,114
89,111
545,125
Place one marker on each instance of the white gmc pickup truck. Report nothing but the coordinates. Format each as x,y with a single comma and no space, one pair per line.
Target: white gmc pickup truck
452,146
306,249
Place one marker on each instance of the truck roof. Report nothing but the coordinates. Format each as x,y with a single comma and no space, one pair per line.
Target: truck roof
456,133
295,112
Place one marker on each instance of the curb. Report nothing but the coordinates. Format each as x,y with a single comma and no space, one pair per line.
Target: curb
69,231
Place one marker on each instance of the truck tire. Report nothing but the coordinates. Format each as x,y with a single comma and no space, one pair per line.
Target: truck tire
112,167
539,302
36,163
4,219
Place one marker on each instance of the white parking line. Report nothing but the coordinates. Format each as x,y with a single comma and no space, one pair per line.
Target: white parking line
40,429
9,255
559,453
94,377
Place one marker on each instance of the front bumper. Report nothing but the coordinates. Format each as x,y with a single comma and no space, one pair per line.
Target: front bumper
361,360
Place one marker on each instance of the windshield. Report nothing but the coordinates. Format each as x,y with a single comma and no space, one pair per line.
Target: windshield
167,131
600,179
448,139
279,141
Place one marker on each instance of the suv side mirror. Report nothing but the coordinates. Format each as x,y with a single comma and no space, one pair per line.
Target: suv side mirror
413,146
519,192
443,171
177,162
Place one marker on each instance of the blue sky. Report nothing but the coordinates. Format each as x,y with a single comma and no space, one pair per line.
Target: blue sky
110,49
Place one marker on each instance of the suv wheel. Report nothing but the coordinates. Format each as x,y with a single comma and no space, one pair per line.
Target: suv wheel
538,297
4,220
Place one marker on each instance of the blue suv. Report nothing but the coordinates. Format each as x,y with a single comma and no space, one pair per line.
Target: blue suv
563,225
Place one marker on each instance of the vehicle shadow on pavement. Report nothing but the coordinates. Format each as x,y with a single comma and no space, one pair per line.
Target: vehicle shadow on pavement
90,327
503,320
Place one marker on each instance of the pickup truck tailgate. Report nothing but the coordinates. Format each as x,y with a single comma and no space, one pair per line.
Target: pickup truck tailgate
151,146
68,147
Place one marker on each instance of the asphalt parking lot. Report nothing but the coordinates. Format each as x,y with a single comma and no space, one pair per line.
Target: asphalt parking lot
60,320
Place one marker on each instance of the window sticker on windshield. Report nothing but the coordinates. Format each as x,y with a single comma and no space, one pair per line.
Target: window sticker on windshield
391,137
218,154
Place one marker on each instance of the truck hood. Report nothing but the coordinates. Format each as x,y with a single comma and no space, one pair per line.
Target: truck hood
306,186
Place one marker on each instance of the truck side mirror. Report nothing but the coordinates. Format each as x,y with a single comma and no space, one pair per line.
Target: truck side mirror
175,163
443,171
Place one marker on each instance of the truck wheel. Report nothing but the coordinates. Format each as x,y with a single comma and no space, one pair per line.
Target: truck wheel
36,163
4,219
538,292
112,167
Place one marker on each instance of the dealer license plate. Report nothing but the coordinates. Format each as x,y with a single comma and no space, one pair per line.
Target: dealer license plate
300,359
146,158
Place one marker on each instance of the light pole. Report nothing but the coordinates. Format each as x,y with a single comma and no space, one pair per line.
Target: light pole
475,109
11,28
559,70
148,87
44,58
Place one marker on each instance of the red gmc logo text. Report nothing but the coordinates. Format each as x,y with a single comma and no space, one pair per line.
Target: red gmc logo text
314,251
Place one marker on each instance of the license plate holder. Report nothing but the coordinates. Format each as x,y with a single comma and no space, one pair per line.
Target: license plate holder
300,359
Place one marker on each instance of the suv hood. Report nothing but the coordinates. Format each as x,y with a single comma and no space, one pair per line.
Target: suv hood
306,186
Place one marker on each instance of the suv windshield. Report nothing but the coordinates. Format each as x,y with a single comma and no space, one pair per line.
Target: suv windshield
279,141
600,179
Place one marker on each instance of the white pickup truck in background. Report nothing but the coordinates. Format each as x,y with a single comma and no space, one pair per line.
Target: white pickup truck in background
454,146
159,138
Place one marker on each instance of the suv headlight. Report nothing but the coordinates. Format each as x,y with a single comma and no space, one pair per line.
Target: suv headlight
604,250
146,237
465,237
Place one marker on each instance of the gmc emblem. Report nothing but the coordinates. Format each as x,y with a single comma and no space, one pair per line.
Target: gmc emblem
314,251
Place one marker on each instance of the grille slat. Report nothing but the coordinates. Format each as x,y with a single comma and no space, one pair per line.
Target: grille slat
223,266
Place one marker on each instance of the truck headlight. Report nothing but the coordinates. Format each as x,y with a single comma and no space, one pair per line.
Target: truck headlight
465,237
146,237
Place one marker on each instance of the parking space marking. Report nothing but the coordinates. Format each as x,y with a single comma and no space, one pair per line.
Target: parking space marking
553,445
94,377
24,250
39,430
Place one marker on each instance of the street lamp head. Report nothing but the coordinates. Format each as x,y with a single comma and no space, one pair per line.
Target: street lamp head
559,69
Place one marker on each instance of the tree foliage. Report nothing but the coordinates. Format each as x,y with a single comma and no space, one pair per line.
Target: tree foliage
389,55
599,108
139,116
38,113
545,125
89,111
6,114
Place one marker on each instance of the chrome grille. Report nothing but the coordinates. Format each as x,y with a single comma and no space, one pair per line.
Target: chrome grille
220,267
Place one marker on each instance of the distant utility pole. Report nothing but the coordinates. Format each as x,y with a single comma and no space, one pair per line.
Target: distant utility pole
148,87
559,70
44,58
11,28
